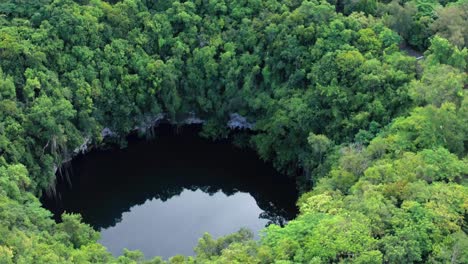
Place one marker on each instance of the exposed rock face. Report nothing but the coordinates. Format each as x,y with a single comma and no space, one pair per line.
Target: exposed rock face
239,122
150,122
83,148
236,121
193,120
107,132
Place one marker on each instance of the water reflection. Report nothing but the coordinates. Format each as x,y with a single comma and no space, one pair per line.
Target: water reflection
160,196
174,227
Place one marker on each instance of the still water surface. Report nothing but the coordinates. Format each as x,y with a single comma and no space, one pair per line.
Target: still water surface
160,196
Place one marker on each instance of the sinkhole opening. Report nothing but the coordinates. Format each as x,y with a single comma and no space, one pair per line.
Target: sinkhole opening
161,195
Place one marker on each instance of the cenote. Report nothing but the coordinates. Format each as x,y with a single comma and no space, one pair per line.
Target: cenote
161,195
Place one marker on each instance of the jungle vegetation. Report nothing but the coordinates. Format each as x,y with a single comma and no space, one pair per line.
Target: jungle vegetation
376,139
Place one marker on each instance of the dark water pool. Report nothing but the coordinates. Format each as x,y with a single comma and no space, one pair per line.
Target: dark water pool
160,196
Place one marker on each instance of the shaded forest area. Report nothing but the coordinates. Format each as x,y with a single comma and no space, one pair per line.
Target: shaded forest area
376,139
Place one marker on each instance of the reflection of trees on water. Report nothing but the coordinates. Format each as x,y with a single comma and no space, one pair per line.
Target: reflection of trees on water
108,183
104,211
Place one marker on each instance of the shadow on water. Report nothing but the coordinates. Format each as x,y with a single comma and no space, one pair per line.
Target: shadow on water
105,184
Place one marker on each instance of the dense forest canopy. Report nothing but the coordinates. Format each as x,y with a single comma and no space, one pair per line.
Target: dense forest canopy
376,139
